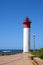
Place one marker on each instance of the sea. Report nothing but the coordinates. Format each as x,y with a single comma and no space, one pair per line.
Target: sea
9,51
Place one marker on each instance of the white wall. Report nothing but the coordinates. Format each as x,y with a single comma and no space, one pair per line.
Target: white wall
26,39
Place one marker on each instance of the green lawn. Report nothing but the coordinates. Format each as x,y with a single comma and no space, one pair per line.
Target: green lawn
38,53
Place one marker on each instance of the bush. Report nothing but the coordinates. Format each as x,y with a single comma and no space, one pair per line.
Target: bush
38,53
41,56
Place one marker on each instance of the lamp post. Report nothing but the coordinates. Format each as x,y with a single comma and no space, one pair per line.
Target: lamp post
34,41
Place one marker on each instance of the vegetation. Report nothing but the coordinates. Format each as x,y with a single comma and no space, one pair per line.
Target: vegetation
38,53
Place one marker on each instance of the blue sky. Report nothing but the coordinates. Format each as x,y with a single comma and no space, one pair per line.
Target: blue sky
12,14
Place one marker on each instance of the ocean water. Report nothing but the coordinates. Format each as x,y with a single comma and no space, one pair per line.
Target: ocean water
9,52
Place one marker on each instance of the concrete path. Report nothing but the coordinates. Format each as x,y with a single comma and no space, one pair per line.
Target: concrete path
17,59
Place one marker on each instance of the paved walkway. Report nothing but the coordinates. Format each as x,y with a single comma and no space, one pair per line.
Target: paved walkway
17,59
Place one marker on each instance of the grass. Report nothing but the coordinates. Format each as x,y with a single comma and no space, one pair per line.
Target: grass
38,53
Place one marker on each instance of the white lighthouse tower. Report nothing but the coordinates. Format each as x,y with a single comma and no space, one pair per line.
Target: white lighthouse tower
26,35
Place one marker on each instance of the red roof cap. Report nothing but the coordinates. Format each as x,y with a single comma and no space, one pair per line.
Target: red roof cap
27,22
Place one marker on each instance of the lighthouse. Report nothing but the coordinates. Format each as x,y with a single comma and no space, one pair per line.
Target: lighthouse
26,34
